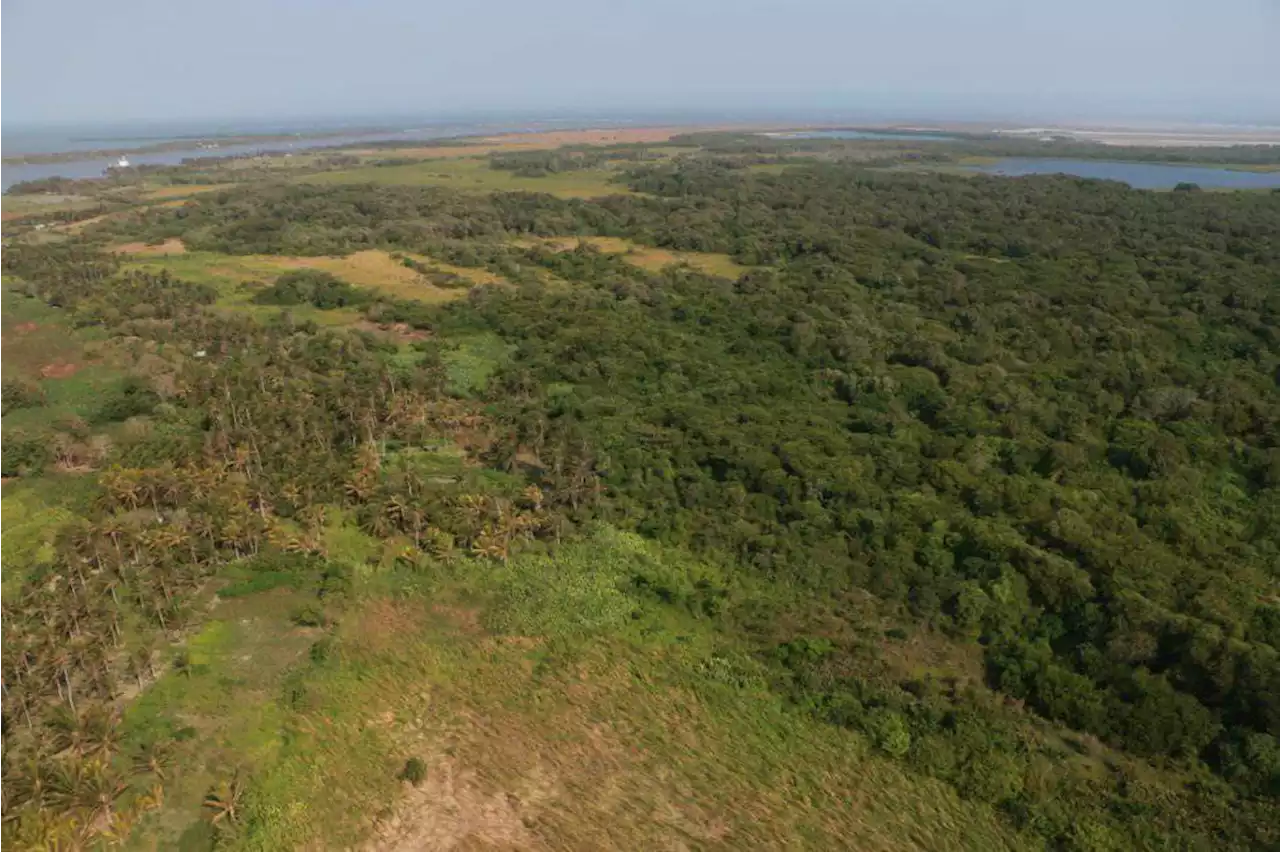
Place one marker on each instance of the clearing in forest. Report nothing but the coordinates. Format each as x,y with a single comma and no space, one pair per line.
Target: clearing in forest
183,190
474,175
647,257
375,269
169,246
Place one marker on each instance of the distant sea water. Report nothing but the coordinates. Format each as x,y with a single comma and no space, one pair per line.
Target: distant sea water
124,138
1137,175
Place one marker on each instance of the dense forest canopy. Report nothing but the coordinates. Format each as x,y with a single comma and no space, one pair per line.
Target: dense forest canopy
1038,418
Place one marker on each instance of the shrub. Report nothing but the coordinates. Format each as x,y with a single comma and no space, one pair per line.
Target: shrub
309,615
21,393
132,398
313,287
889,732
24,455
415,771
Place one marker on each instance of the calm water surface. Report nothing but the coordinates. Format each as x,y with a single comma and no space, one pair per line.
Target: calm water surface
97,166
1137,175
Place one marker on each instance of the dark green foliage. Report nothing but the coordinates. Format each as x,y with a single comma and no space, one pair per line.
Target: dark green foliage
132,397
309,615
273,569
410,313
1034,422
543,163
25,455
415,771
21,393
312,287
1006,407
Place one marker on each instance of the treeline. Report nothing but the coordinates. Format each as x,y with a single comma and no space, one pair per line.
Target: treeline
556,160
939,148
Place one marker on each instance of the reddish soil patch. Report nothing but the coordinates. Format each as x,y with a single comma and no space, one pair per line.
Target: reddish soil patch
78,226
58,370
25,327
172,246
386,623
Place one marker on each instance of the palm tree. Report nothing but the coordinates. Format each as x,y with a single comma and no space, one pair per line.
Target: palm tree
222,803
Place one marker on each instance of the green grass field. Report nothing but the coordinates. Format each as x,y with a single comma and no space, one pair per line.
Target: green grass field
474,174
19,206
551,707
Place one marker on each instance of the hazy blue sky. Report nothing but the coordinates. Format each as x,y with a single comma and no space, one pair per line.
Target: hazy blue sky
96,60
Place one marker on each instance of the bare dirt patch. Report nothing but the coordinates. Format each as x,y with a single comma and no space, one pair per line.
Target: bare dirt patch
58,370
397,331
25,327
170,246
466,619
385,623
451,810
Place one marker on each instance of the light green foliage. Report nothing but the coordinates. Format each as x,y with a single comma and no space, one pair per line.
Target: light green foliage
471,360
219,707
578,590
888,732
30,526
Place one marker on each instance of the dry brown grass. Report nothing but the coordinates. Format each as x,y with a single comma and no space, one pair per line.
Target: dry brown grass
376,270
647,257
592,756
165,192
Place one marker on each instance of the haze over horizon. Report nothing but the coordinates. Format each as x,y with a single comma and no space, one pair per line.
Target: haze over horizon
78,62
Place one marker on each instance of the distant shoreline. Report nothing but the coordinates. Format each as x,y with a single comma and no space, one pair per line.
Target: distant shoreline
1117,135
211,142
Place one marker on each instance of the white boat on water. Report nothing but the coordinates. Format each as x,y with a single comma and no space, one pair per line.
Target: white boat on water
122,163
